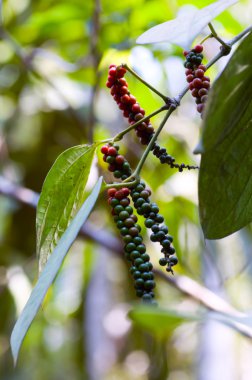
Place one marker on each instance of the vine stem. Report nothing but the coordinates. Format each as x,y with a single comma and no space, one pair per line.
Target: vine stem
166,99
215,35
150,145
120,135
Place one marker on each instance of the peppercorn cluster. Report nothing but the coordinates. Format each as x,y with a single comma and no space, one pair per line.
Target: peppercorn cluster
134,112
199,84
128,103
141,198
135,250
154,220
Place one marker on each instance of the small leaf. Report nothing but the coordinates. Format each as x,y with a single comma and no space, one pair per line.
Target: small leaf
225,181
158,321
61,197
185,28
50,271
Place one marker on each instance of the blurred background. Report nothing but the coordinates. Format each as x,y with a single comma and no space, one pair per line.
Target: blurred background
54,57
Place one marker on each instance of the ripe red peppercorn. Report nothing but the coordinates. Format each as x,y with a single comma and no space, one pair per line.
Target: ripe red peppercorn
120,159
135,108
111,192
198,48
197,82
199,73
200,107
190,78
125,98
112,151
104,149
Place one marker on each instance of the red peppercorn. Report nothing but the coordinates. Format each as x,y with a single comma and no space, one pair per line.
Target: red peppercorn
205,84
125,191
190,78
104,149
200,107
188,71
202,67
198,48
135,108
203,91
197,82
111,192
199,73
120,159
112,151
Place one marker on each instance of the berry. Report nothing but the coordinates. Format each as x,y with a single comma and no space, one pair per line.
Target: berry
198,48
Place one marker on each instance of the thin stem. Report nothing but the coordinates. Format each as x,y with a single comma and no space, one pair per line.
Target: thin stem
150,146
120,135
122,184
206,38
165,98
215,35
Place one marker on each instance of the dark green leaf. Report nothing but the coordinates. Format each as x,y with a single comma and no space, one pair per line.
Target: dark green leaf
50,271
158,321
225,181
62,195
186,27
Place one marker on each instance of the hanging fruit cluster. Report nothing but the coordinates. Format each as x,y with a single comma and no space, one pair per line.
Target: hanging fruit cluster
199,84
126,222
132,110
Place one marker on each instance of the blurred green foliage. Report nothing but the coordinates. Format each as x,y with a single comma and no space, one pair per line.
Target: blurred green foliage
54,57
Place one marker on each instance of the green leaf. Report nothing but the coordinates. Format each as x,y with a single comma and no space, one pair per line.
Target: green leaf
158,321
62,195
225,181
50,271
186,27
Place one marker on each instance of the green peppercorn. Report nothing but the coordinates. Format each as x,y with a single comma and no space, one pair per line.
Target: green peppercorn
133,269
139,283
146,207
145,257
147,276
160,235
120,224
114,202
163,261
153,237
130,247
144,194
154,208
138,240
124,202
140,211
129,222
143,267
123,215
137,274
129,209
147,297
134,255
164,229
166,243
117,173
159,218
149,284
110,159
173,260
127,239
141,248
155,228
169,237
118,209
149,222
138,262
124,231
135,196
140,187
139,202
139,292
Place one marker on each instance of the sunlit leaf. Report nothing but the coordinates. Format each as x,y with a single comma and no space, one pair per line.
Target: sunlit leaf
225,181
159,321
50,271
186,27
62,195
